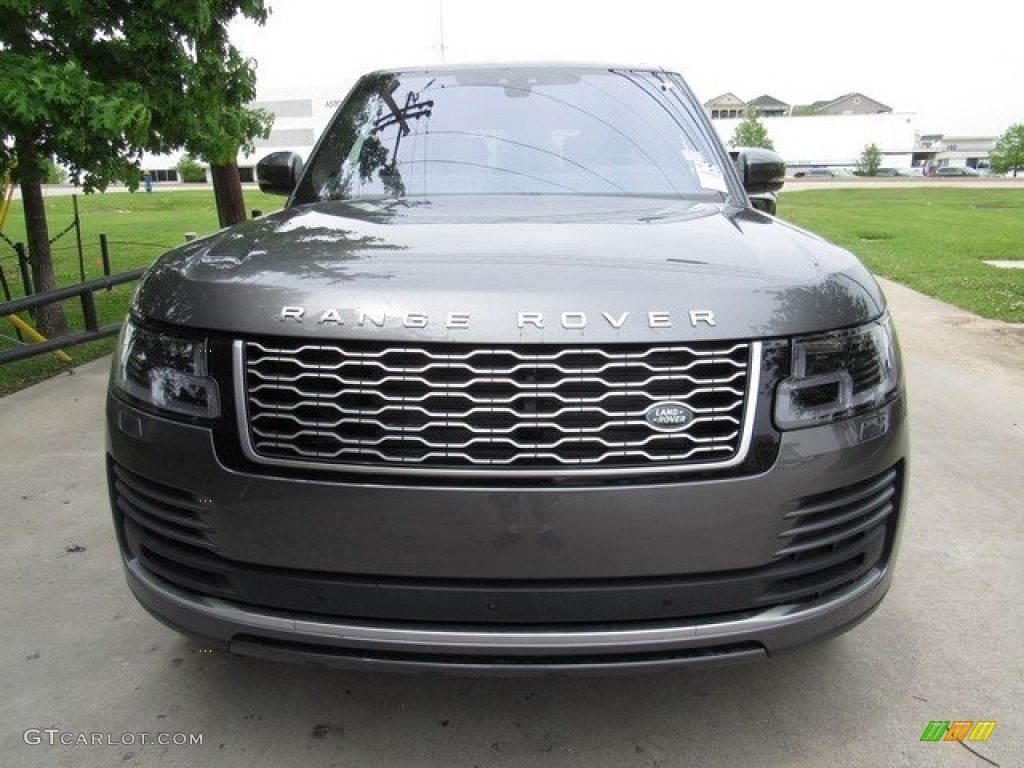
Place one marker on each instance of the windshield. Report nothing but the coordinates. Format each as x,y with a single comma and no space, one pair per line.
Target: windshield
515,131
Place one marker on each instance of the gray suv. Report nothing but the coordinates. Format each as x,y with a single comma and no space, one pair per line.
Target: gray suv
521,378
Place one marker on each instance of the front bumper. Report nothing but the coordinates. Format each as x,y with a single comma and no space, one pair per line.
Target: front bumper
642,576
574,649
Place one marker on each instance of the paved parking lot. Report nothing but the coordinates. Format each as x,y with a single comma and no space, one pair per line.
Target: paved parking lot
81,660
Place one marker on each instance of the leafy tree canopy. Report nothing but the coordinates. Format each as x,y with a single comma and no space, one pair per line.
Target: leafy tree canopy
94,83
751,133
190,170
1009,151
870,160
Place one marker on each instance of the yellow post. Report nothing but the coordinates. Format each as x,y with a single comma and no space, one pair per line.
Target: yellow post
6,206
35,336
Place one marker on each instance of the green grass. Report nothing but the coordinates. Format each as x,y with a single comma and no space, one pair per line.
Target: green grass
139,227
932,240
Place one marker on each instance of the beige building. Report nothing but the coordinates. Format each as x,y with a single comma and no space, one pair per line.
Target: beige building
726,106
847,104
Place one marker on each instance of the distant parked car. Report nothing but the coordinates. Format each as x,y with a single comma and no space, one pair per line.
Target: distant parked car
950,170
814,173
889,172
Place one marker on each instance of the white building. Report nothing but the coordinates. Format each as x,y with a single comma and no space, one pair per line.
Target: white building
299,119
957,151
837,141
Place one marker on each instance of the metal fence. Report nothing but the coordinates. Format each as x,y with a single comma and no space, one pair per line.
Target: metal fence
86,292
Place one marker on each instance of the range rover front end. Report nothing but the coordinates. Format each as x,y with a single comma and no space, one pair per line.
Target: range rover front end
520,379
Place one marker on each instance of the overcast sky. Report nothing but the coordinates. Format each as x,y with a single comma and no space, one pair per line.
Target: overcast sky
960,67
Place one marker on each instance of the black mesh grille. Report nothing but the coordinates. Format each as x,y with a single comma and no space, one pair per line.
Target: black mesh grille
519,407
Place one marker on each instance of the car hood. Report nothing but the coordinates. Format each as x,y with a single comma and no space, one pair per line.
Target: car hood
511,269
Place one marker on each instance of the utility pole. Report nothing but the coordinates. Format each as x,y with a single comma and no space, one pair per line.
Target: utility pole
440,30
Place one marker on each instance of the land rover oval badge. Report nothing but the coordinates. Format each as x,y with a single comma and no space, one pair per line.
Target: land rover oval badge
669,416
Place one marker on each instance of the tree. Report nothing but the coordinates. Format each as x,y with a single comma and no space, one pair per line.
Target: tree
1009,151
53,173
52,104
870,160
751,133
190,171
94,83
218,121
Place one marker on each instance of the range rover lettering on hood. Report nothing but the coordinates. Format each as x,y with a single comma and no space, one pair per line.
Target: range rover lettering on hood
573,320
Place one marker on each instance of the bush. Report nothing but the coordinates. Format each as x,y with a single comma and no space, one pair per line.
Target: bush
190,171
53,173
870,161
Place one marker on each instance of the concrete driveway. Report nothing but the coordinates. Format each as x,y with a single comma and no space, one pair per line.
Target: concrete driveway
81,661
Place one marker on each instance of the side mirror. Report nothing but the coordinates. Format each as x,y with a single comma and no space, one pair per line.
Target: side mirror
763,173
278,173
766,203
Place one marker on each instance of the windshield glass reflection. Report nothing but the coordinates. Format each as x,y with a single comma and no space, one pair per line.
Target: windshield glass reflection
579,132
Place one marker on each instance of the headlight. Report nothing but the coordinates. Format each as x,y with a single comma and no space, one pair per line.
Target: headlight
837,375
166,372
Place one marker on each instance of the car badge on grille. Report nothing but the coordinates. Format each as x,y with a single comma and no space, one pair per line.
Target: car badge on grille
668,416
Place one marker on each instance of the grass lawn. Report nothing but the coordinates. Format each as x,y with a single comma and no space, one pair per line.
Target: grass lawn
139,227
933,240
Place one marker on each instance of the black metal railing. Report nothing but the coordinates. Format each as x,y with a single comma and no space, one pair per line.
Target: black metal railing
85,291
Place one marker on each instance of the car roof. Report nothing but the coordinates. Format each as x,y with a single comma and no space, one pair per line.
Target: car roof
523,66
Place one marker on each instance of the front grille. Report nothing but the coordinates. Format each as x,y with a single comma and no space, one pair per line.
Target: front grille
525,408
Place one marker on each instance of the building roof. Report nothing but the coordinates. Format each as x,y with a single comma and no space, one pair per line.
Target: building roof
855,97
767,102
728,99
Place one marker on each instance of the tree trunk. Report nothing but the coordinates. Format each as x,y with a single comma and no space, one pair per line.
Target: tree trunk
50,318
227,189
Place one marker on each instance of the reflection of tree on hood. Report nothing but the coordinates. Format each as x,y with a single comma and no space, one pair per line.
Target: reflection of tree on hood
838,296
